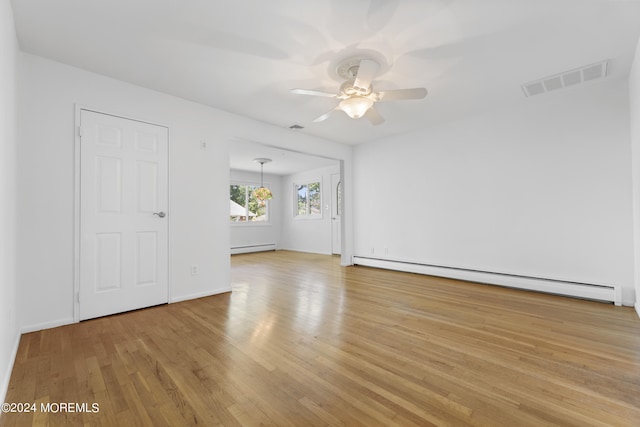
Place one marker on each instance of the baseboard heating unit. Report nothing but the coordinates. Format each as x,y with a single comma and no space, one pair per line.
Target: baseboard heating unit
609,293
253,248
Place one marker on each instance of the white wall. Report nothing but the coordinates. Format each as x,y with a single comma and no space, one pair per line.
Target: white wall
199,181
307,234
634,108
9,327
541,189
256,234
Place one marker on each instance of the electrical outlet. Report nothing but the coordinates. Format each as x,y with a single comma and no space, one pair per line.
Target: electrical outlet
195,270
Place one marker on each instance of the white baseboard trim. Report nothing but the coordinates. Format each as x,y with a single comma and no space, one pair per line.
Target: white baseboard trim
610,293
305,252
253,248
47,325
200,295
4,386
637,307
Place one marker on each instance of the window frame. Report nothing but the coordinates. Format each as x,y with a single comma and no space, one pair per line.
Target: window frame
307,216
253,186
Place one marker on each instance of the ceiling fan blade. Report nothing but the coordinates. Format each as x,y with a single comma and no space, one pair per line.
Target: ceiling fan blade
373,116
325,116
313,93
366,71
400,94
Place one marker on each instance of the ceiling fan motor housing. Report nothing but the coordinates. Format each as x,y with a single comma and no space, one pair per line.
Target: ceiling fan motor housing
348,69
349,89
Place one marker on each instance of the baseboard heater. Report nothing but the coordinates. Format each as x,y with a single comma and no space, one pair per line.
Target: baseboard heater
253,248
610,293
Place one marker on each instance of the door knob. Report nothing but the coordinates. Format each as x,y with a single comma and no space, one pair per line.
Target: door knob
160,214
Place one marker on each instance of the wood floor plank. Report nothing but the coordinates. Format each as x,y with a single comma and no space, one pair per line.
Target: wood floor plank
302,341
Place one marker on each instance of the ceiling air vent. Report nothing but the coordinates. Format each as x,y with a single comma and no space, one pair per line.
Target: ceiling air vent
566,79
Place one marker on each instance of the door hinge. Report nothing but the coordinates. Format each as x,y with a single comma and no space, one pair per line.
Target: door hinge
80,131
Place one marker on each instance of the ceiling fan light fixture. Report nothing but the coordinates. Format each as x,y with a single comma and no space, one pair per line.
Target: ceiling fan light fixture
356,94
356,106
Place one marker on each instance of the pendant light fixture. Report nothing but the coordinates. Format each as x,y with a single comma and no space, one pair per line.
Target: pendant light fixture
262,193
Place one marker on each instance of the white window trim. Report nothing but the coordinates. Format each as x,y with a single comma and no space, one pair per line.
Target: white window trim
298,216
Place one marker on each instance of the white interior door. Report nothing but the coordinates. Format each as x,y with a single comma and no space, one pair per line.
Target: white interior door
336,212
123,223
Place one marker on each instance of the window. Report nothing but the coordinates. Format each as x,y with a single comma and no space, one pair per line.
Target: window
245,208
308,200
339,198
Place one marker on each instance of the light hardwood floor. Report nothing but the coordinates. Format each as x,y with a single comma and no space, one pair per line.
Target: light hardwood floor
302,341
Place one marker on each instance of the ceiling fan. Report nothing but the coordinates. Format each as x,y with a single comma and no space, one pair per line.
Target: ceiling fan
357,96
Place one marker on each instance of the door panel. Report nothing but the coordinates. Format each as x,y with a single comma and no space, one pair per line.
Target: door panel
108,261
146,261
123,242
146,187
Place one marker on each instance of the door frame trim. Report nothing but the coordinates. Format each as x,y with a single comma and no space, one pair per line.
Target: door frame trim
76,199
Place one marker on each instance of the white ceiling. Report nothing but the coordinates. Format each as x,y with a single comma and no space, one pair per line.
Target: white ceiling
243,152
244,56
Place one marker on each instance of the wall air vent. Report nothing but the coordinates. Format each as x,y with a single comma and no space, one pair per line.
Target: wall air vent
296,127
566,79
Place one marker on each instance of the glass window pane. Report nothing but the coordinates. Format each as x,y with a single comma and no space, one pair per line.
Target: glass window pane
314,199
238,194
339,198
302,199
257,208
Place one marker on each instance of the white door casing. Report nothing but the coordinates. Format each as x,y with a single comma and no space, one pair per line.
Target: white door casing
336,212
123,224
